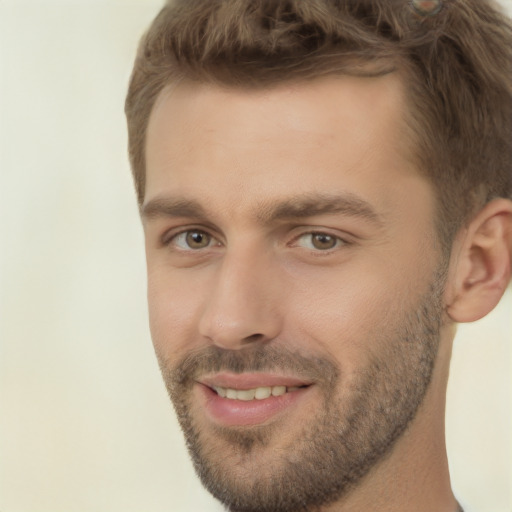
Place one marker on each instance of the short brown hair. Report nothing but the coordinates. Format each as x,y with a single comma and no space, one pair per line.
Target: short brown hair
456,63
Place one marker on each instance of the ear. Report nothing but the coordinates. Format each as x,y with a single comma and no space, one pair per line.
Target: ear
482,270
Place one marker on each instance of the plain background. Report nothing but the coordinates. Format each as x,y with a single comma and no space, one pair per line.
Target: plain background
85,423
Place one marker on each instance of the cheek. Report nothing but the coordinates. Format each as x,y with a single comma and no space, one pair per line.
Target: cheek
349,315
173,313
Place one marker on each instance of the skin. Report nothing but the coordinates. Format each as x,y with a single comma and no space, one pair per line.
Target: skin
260,282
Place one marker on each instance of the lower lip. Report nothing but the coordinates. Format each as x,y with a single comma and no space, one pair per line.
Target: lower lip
232,413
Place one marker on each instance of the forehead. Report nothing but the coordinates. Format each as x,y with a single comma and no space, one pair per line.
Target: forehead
315,108
293,138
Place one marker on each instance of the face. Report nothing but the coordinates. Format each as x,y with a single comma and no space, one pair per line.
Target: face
294,286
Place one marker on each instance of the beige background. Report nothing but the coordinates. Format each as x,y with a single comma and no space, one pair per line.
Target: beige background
85,424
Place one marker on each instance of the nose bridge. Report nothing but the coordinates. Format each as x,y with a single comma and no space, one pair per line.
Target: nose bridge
242,306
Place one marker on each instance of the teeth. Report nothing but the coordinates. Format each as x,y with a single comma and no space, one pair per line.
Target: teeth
253,394
221,392
278,390
246,394
262,393
232,394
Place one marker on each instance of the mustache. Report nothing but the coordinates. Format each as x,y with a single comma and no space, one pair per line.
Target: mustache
254,358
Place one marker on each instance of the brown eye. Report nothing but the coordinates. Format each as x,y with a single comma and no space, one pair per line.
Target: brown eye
323,242
319,241
193,239
197,239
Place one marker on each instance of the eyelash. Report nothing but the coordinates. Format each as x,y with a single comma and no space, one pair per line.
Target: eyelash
339,242
171,239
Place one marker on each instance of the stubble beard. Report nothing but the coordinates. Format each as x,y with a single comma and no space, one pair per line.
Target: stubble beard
349,432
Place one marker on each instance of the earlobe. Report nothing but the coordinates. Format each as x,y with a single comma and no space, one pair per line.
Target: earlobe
483,268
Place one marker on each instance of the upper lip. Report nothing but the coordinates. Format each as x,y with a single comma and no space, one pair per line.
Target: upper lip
251,380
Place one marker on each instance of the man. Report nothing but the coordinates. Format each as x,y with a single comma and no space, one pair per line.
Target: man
325,189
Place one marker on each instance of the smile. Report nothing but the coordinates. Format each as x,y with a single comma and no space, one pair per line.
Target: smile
260,393
250,399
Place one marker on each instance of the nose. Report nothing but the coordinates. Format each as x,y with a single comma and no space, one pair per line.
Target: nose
243,303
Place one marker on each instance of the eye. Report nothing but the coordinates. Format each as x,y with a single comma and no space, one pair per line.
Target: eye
192,239
320,241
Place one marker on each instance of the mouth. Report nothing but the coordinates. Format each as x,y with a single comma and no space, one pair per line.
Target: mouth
250,399
259,393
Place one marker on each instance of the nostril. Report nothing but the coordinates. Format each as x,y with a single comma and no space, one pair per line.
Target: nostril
253,338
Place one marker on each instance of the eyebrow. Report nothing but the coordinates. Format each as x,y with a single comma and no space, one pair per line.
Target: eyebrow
171,207
313,204
297,207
